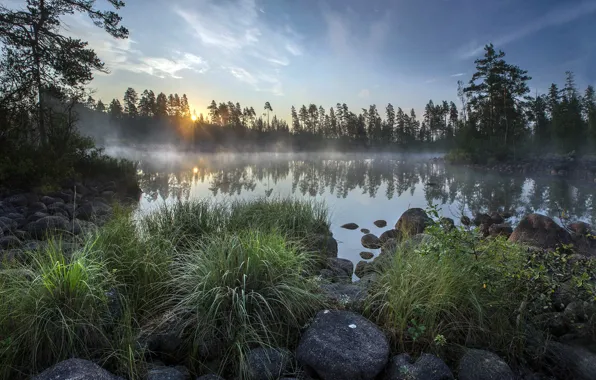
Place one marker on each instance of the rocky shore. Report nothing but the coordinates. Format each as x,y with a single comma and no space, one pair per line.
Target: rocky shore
339,343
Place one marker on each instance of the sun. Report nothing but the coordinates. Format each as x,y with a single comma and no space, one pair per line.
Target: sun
193,117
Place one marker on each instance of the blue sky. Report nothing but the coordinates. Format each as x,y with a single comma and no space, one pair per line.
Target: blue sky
294,52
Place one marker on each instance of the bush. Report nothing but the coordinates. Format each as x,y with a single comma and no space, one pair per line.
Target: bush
243,290
459,156
52,309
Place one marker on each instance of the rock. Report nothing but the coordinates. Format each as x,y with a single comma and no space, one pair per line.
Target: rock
76,369
47,225
581,228
465,221
506,215
483,365
341,268
571,362
267,363
540,231
37,207
496,218
555,323
426,367
380,223
563,295
19,219
447,223
390,234
579,311
350,226
413,222
8,224
36,216
19,200
93,209
50,200
350,296
342,345
165,373
500,230
57,208
8,242
64,197
365,230
161,337
324,244
367,255
362,268
210,377
481,218
370,241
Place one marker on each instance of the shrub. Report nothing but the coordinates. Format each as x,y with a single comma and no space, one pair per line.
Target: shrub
237,291
459,156
52,309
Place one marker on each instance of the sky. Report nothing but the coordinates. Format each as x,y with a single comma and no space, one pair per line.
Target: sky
359,52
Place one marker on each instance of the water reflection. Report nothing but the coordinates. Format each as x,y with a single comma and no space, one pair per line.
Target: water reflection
381,179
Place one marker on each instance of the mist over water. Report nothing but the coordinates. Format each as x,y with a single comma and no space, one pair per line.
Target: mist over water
356,188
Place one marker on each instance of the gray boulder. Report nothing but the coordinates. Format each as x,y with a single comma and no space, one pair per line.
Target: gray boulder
19,200
362,268
483,365
413,221
342,345
48,225
380,223
210,377
8,242
166,373
37,207
7,224
267,363
341,267
366,255
370,241
349,296
570,362
93,209
326,245
388,235
426,367
350,226
50,200
76,369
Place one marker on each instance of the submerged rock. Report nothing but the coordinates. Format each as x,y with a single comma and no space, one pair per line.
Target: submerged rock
362,268
539,231
365,230
390,234
370,241
76,369
413,221
483,365
342,345
350,226
426,367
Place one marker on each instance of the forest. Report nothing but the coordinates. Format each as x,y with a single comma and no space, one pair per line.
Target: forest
497,117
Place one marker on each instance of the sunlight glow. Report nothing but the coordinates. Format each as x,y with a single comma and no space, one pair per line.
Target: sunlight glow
195,170
193,117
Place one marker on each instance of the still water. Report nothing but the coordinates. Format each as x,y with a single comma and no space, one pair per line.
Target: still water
358,188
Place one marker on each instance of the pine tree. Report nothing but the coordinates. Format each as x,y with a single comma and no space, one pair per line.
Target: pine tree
388,135
100,107
161,105
214,112
333,124
184,107
268,109
589,101
295,121
130,102
115,109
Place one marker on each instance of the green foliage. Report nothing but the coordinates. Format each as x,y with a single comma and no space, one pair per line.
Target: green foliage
236,291
459,156
53,308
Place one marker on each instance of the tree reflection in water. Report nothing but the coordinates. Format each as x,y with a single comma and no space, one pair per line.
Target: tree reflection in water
446,185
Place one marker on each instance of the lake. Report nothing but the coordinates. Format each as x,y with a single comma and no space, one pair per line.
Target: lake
357,188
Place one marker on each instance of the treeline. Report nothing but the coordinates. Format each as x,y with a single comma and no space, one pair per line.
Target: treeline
502,120
160,118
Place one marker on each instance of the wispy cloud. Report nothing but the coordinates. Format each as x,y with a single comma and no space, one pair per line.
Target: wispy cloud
364,93
554,17
458,75
234,36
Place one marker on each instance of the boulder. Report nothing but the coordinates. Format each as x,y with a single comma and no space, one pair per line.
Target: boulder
326,245
76,369
210,377
65,197
362,268
350,226
342,345
36,216
350,296
426,367
47,225
583,238
7,224
166,373
500,230
341,267
370,241
161,336
390,234
267,363
481,218
412,222
19,200
380,223
9,242
581,228
496,218
465,221
18,218
50,200
539,231
366,255
483,365
92,209
570,362
37,207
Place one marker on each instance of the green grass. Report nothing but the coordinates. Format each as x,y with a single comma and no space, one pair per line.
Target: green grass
242,290
52,309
